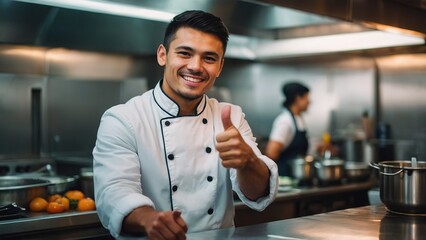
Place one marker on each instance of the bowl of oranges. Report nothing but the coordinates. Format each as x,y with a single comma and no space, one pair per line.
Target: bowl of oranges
72,200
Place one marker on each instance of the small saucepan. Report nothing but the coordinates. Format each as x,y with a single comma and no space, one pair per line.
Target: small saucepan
330,170
357,171
303,168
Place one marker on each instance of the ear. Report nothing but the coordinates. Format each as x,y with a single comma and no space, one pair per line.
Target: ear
161,55
220,68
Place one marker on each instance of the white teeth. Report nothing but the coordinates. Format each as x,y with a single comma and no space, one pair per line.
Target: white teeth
191,79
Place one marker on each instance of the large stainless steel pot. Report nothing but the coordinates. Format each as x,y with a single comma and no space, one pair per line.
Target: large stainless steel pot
303,168
330,170
21,189
402,186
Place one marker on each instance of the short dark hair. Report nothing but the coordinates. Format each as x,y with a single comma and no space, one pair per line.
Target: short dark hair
291,90
199,20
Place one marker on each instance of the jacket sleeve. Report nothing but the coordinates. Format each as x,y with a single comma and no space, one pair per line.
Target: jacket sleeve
116,171
260,204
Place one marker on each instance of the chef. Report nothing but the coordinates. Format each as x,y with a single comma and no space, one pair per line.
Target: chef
288,138
167,162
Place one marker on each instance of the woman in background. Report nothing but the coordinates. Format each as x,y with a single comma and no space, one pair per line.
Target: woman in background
288,138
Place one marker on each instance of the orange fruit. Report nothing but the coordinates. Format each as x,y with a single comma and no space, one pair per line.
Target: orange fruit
55,207
53,198
86,204
74,195
64,201
38,204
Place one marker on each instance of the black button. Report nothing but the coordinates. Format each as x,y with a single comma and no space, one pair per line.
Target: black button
209,178
208,150
210,211
204,121
171,157
174,188
167,123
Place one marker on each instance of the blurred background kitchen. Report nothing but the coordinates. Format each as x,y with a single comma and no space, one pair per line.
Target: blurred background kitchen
63,63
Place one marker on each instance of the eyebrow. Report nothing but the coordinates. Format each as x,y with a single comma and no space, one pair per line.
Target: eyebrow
192,50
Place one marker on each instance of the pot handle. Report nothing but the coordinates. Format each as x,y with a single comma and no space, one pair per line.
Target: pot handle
376,166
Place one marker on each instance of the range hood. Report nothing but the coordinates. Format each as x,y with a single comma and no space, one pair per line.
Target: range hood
256,25
401,15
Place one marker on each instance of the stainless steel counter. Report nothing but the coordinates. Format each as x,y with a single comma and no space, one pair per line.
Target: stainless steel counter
67,225
304,201
40,225
363,223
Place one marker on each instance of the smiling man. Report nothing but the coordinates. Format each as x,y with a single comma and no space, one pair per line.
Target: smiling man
167,162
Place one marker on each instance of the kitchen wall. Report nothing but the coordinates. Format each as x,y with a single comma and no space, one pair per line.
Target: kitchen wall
340,92
74,88
52,99
403,100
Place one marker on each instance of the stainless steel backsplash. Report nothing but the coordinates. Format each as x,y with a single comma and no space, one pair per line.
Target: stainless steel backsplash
76,87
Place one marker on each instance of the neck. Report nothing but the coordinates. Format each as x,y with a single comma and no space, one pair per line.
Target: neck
295,110
188,108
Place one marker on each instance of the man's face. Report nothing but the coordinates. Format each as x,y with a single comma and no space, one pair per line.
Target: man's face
192,64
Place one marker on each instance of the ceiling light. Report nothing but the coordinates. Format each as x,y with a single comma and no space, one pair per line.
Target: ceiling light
333,43
107,8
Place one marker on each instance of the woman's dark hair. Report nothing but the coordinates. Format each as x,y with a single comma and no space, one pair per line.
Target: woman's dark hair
291,91
199,20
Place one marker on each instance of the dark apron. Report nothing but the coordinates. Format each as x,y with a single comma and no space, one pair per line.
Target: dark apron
298,147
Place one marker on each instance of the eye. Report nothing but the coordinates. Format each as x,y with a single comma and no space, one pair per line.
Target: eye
183,53
210,59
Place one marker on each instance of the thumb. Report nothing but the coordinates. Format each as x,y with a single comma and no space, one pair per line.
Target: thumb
176,217
226,117
176,214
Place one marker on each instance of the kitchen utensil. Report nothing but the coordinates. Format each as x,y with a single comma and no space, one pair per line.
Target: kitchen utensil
86,181
303,168
402,185
21,189
356,171
413,162
60,184
11,211
330,170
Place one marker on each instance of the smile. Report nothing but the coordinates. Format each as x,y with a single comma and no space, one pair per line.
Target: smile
192,79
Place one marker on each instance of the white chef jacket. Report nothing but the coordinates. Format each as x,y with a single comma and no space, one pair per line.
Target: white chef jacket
146,154
283,129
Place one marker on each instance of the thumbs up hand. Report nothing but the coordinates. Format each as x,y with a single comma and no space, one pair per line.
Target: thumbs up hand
252,173
226,117
233,150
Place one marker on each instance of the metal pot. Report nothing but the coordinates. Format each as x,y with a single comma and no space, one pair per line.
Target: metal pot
303,168
357,172
402,185
86,181
60,184
330,170
21,189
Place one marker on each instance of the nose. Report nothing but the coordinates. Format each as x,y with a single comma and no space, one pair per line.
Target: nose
195,64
